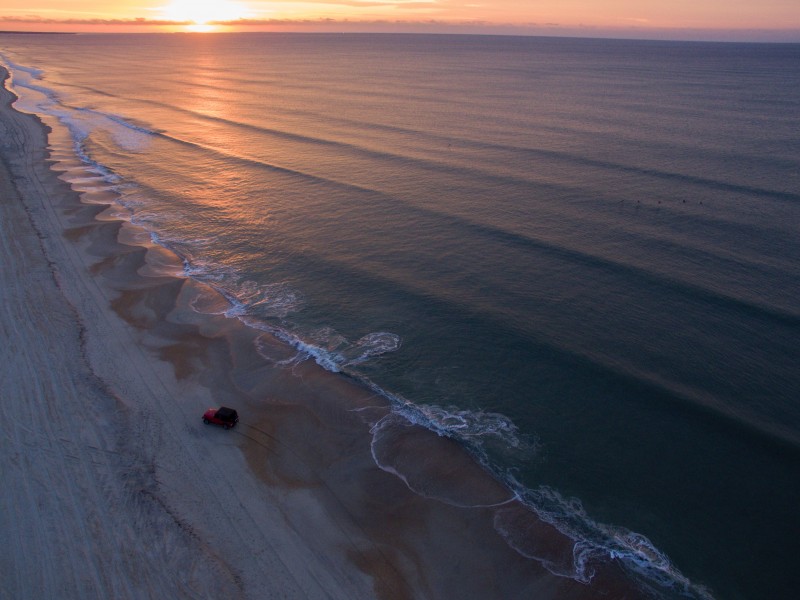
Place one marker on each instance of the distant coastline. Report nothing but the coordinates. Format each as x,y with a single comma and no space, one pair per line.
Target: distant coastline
41,32
754,36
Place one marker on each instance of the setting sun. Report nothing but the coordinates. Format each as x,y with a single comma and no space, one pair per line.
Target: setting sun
203,13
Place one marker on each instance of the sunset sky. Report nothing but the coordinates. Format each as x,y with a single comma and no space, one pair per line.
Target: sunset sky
772,20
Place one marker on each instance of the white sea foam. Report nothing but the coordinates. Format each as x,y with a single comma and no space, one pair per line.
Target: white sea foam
390,454
21,76
15,68
254,303
329,349
323,358
596,542
375,344
80,121
470,426
516,535
270,300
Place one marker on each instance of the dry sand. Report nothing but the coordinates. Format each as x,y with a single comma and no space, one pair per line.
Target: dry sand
113,487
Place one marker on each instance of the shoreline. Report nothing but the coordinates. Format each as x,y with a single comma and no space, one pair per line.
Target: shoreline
290,503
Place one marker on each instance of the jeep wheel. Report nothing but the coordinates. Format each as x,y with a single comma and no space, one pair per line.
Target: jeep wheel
205,421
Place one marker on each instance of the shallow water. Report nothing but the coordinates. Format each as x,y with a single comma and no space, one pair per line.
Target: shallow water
579,258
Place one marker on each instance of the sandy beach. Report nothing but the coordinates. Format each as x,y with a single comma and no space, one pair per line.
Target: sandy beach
114,488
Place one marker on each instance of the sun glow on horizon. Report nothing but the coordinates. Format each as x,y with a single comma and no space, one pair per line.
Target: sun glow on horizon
204,13
720,20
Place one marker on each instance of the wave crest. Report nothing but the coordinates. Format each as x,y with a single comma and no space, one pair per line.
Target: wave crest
81,122
475,428
594,543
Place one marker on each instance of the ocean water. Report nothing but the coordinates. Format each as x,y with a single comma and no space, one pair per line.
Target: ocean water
579,258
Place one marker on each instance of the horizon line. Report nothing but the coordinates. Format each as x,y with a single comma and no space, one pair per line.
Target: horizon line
749,36
432,26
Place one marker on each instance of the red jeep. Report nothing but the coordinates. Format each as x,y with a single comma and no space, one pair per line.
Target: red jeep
227,417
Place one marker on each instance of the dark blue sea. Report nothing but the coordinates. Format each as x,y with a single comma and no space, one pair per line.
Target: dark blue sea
580,258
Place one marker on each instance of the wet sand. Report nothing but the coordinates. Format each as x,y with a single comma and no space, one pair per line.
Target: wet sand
121,355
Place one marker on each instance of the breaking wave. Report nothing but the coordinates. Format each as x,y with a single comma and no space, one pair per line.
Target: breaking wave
592,544
81,122
331,350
